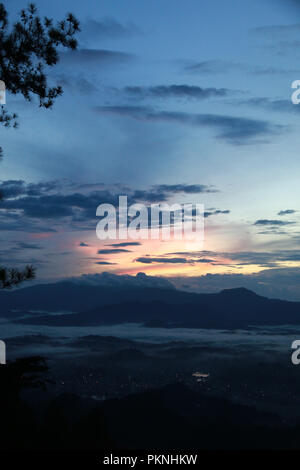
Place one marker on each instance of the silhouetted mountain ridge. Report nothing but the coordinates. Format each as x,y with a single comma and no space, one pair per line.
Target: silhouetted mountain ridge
74,297
231,308
241,292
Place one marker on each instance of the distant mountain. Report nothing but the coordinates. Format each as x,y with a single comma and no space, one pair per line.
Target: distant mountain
231,308
74,297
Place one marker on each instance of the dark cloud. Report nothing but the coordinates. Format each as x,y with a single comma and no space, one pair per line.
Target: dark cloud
26,205
111,251
287,212
216,212
15,188
124,244
176,91
161,192
40,207
83,244
28,246
272,222
150,195
150,260
12,188
185,188
236,130
89,185
77,205
105,263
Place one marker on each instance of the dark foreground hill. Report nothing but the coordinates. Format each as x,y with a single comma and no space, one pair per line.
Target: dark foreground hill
153,307
173,417
179,418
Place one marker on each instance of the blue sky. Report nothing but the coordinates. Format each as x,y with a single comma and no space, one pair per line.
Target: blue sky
161,93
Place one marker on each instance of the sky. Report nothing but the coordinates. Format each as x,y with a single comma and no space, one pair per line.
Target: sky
164,101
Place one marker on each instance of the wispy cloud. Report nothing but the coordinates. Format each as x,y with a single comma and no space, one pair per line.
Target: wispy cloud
166,260
97,57
112,251
124,244
243,258
108,28
272,30
273,222
287,212
105,263
218,66
235,130
275,283
175,91
271,104
216,212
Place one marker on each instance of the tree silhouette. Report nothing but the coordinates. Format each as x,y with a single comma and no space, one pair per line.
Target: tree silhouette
25,49
18,424
10,277
22,373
